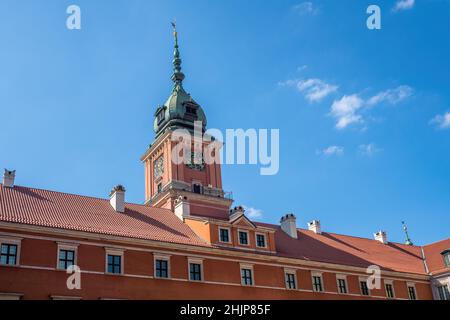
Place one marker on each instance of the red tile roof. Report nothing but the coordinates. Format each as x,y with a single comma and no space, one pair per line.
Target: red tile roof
73,212
348,250
435,260
81,213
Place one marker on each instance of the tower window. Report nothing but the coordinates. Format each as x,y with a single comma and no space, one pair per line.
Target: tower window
191,110
196,188
161,116
159,187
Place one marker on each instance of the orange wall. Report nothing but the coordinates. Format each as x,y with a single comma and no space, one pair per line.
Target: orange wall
138,283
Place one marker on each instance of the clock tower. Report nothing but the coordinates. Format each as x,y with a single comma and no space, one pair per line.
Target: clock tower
168,176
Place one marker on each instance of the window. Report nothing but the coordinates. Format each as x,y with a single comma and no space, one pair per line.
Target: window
191,110
66,258
317,283
114,264
261,240
364,288
224,235
161,268
290,280
195,271
246,274
389,290
446,256
412,293
159,187
196,188
8,254
444,293
161,116
342,285
243,238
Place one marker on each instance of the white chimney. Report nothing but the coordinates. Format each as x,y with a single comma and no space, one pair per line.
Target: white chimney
381,236
8,178
315,226
289,225
117,199
182,207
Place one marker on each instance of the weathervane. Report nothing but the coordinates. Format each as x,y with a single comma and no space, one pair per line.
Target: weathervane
408,240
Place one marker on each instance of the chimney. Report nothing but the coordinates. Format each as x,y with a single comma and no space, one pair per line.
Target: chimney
289,225
236,211
381,236
117,199
182,207
8,178
315,226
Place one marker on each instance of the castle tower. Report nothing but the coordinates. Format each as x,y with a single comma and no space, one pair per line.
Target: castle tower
173,173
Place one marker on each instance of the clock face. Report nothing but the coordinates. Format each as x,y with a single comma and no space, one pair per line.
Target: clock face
158,167
197,161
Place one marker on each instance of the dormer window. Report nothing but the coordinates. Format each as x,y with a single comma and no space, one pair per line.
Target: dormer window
446,256
191,111
160,116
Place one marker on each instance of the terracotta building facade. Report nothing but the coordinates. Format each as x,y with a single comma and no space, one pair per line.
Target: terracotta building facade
188,240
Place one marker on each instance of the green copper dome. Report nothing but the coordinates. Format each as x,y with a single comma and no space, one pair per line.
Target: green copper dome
180,110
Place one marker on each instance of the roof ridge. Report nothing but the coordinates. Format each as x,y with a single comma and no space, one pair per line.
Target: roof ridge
83,196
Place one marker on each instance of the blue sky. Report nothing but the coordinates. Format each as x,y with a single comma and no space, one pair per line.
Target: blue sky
364,128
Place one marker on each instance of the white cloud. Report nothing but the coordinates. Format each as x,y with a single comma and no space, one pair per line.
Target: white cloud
392,96
332,151
315,90
253,213
442,121
401,5
369,149
306,7
346,109
301,68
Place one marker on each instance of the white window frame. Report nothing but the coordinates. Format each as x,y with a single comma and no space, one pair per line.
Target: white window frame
67,246
320,275
341,277
364,279
10,296
391,282
115,252
412,285
13,241
265,240
248,267
290,271
229,234
239,238
165,258
196,261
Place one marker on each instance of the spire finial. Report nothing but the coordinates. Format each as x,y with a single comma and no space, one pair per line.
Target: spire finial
177,76
408,240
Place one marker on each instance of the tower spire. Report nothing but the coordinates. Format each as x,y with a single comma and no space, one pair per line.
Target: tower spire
177,76
408,240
